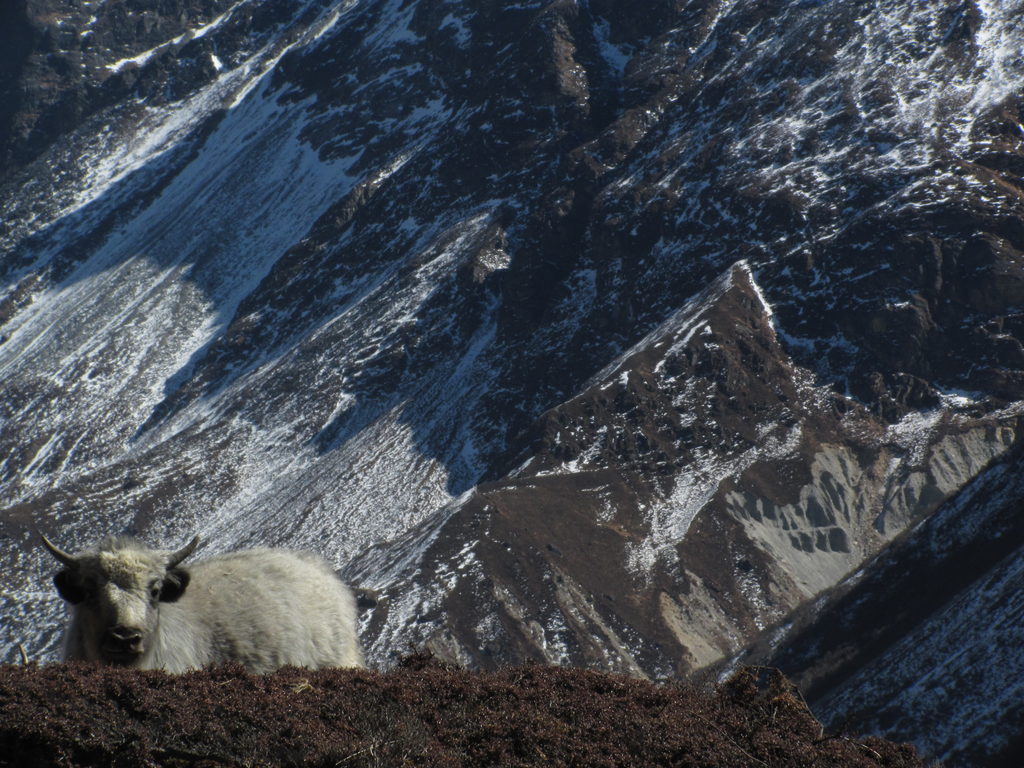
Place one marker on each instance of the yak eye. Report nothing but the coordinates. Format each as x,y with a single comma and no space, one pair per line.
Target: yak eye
154,591
89,590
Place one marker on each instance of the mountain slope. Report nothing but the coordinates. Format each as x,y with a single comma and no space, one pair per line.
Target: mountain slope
932,626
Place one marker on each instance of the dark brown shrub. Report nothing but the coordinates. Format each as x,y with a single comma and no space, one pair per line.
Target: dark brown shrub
420,714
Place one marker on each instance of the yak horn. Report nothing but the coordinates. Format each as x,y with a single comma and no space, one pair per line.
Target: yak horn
59,553
182,553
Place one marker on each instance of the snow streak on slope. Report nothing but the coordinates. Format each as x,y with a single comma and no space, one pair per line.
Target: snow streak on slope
999,51
162,285
374,482
110,161
932,671
897,79
192,34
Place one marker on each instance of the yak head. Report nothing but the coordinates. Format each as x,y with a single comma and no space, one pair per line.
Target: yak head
116,592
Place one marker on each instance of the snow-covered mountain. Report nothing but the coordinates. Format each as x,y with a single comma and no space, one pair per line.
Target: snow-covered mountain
634,335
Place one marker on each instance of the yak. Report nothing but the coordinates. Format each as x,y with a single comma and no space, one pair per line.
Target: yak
138,607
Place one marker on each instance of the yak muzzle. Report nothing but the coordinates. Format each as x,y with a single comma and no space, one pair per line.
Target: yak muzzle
121,645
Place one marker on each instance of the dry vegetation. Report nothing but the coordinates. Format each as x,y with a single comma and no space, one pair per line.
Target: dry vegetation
420,714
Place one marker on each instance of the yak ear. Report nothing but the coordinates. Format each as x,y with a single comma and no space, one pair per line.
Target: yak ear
175,583
68,587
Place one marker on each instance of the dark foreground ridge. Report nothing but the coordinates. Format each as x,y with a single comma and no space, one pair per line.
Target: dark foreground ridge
422,713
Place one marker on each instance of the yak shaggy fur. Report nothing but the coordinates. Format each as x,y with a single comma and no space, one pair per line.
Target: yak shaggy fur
264,608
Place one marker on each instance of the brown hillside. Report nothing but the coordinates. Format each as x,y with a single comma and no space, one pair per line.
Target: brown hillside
421,714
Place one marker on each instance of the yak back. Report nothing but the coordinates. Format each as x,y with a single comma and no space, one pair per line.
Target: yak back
265,608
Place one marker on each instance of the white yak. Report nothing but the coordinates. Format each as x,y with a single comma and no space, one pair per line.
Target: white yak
265,608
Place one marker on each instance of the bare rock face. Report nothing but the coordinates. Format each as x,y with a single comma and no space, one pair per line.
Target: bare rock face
621,335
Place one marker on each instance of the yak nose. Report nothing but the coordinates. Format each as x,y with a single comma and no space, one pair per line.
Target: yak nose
123,640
